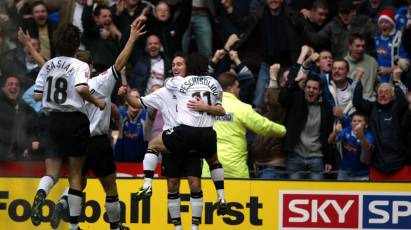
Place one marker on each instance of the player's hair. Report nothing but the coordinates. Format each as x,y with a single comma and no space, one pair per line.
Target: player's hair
67,40
85,56
360,114
37,3
181,54
227,79
97,10
197,64
347,65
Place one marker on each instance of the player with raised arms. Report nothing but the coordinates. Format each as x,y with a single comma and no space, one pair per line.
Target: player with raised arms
99,148
62,87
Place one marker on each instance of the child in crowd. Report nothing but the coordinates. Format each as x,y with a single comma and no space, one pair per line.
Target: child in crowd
131,144
357,143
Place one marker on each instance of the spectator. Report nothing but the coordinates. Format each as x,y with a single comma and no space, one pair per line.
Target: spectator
309,122
323,67
232,127
280,40
40,27
357,145
101,36
390,51
266,153
200,27
372,8
18,122
341,89
73,13
389,160
357,58
245,77
8,54
402,16
69,11
337,31
131,145
235,65
125,11
315,20
26,61
169,24
152,68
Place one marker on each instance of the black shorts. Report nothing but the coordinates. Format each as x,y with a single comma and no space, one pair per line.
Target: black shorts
198,141
176,166
99,157
66,134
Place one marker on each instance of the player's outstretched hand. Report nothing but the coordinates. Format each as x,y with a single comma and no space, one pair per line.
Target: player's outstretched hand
101,104
24,37
196,104
136,30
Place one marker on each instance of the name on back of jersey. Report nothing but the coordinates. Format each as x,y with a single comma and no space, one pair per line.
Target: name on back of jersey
199,80
60,64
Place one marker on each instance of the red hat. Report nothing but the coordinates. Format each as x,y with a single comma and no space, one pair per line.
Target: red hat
388,15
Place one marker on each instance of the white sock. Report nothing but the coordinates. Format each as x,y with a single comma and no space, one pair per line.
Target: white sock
217,175
196,201
64,197
74,202
149,165
45,184
174,203
65,192
113,211
194,227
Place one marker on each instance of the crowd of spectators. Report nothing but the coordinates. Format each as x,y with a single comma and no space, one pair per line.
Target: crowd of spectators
335,73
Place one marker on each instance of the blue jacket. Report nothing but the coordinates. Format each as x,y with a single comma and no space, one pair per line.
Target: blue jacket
130,145
386,56
401,17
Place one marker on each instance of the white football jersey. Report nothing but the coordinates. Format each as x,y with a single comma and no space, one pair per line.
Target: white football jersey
205,87
57,80
101,87
164,101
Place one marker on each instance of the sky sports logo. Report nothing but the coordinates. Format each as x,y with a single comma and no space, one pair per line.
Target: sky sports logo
305,210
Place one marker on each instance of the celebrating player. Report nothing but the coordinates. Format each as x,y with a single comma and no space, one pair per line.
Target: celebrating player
99,147
198,115
62,87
